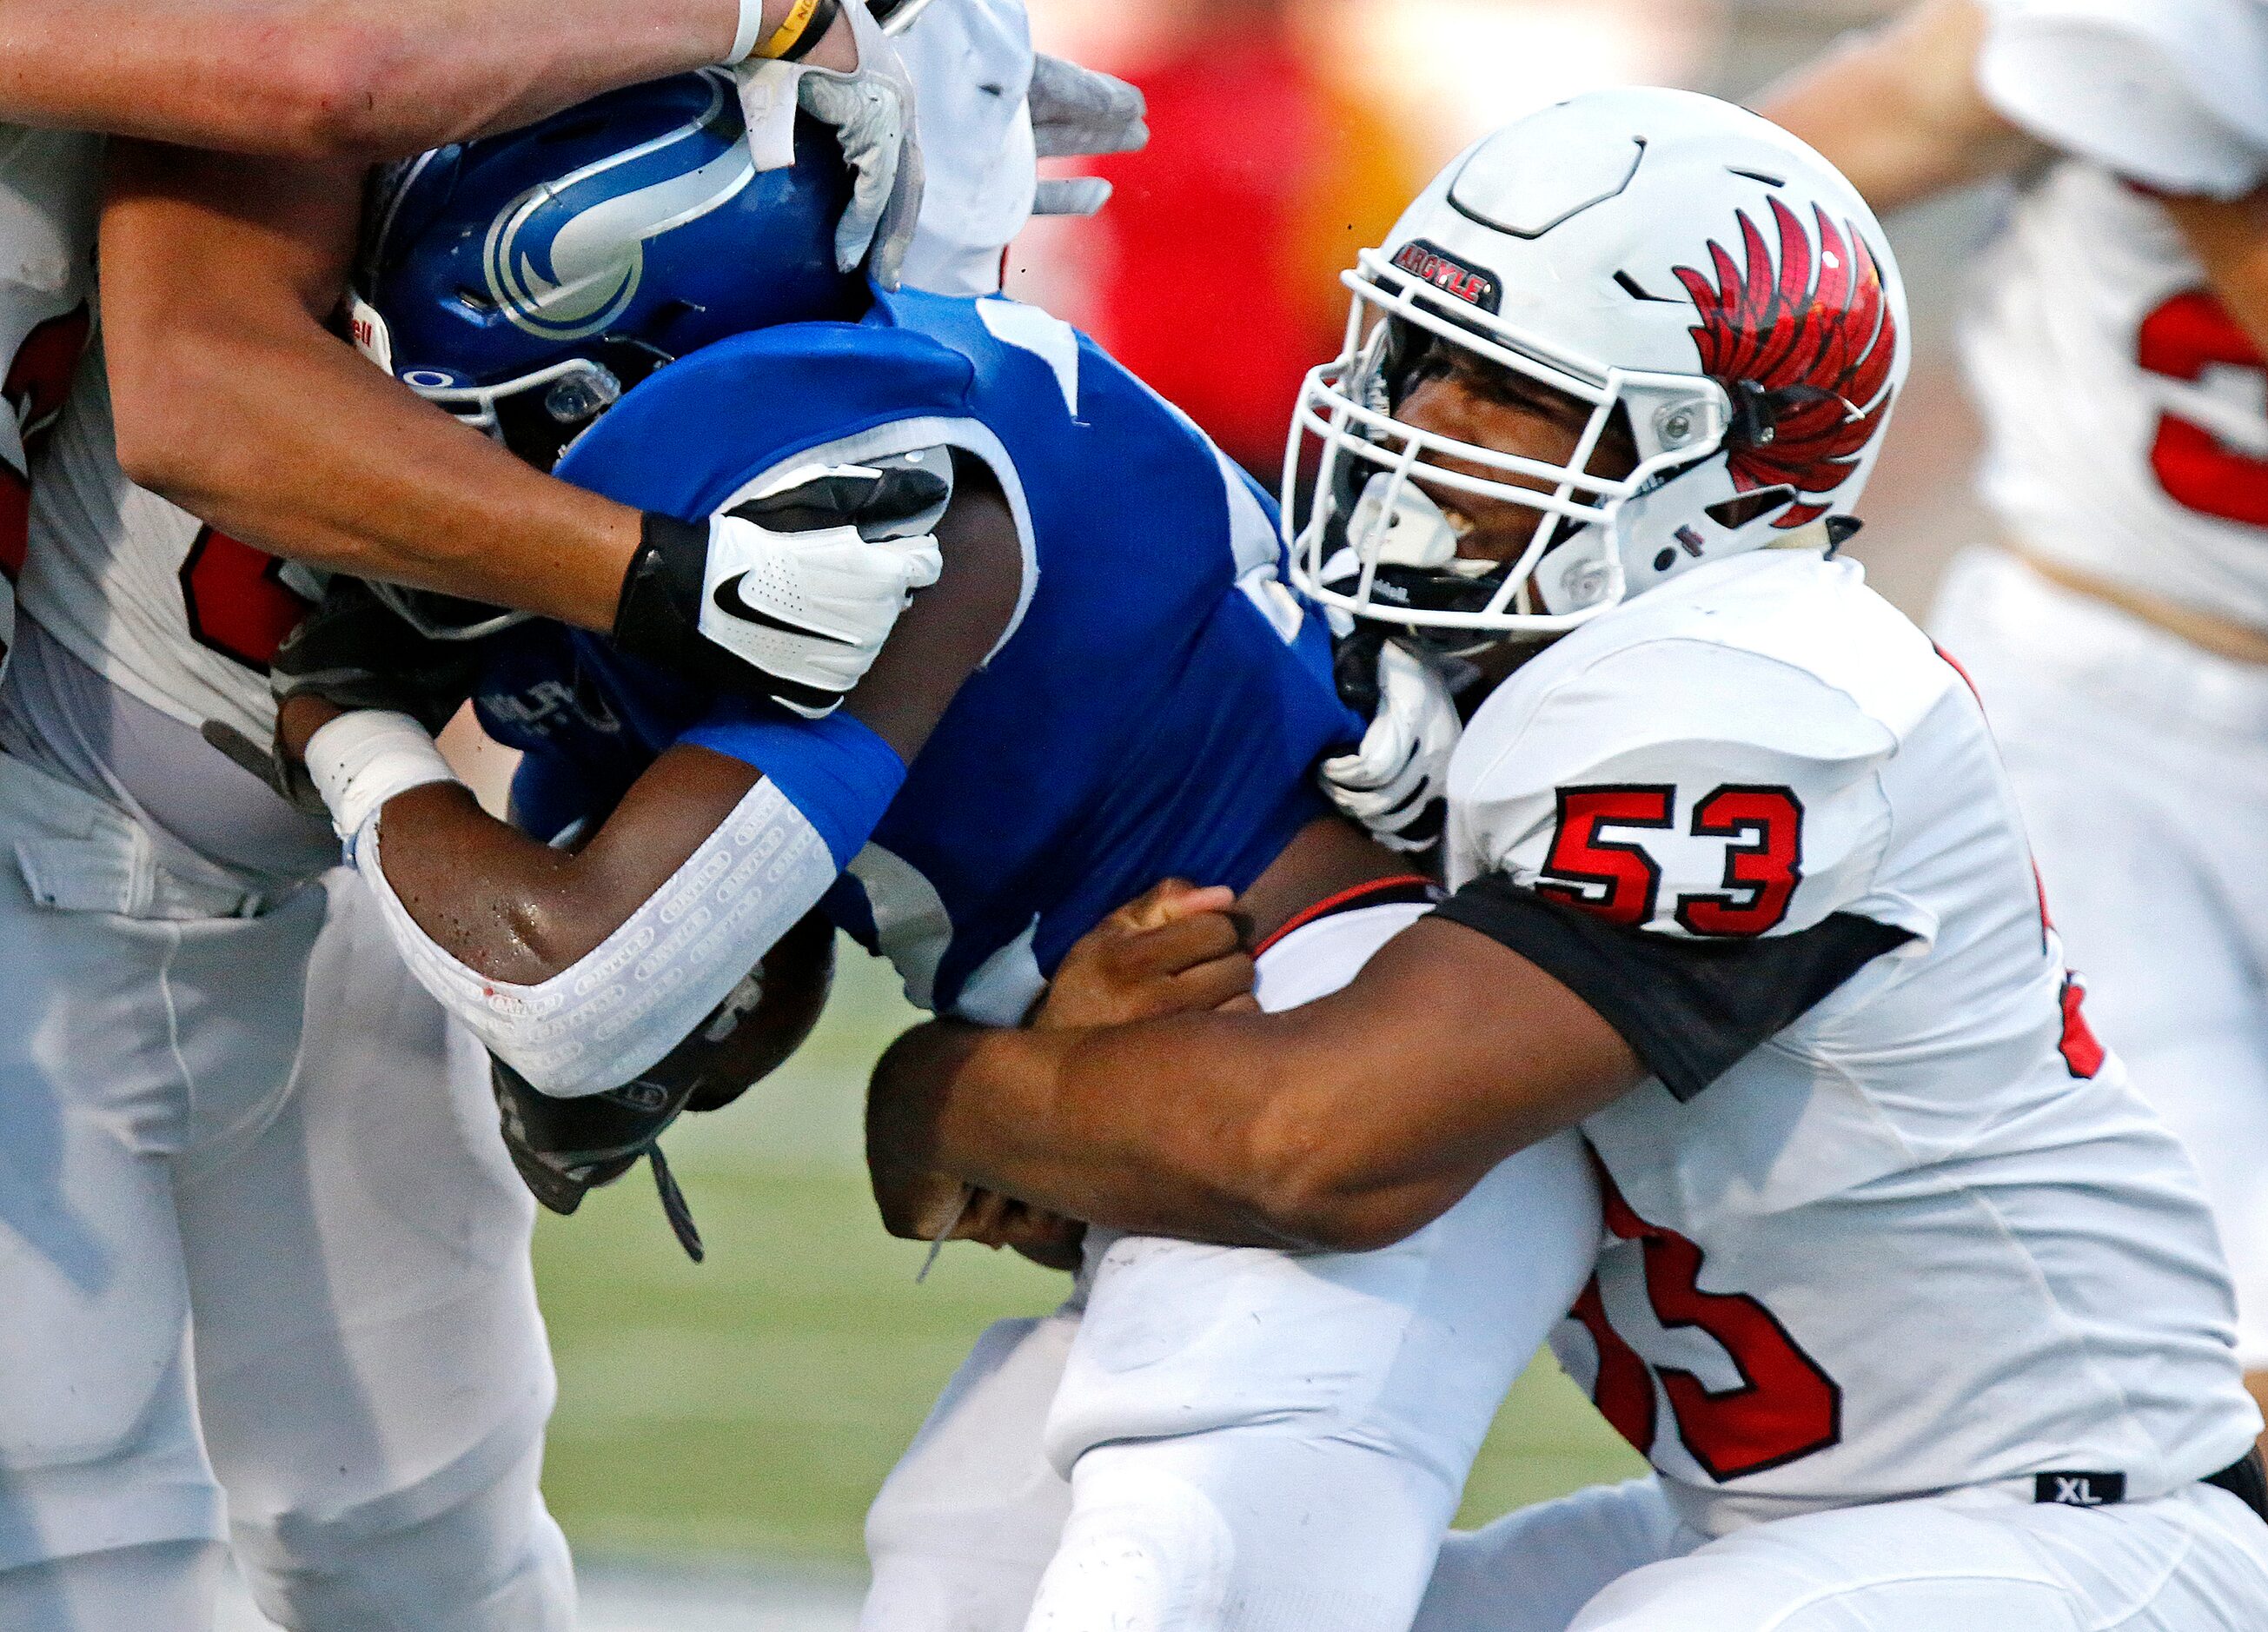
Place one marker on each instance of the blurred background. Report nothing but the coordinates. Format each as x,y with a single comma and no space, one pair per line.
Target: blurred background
721,1427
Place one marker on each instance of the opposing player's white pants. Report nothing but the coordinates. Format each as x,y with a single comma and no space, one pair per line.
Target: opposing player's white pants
2140,764
1218,1439
257,1235
1616,1559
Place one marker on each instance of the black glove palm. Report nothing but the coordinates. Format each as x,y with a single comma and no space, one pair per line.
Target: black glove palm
356,652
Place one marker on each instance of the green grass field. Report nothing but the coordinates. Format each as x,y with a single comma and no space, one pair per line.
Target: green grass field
751,1405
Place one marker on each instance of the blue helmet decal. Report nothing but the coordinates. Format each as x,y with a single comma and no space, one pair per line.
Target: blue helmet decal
525,281
564,259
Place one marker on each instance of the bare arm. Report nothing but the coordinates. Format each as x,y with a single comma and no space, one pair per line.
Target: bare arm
516,910
512,908
2230,239
366,79
1898,110
1346,1123
234,401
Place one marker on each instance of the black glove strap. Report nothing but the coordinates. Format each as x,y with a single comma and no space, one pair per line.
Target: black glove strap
657,618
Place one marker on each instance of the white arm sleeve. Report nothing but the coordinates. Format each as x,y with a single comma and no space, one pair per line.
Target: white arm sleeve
2171,93
643,989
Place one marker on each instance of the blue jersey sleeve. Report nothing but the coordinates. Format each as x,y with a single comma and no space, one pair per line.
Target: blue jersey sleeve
836,771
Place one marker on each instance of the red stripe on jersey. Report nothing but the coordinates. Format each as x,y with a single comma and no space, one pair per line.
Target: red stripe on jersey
2079,1049
1410,887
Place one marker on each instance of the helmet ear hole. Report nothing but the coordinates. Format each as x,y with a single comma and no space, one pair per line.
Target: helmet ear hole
1734,513
1753,416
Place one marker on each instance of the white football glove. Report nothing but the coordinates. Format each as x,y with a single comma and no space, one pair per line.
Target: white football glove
1396,783
811,607
1078,113
871,109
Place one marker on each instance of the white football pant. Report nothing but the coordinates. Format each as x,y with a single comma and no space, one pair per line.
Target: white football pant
2140,763
1616,1559
257,1235
1224,1439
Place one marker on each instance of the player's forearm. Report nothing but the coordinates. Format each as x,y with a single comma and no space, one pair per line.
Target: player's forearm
1002,1110
318,78
298,446
2230,240
579,971
234,400
1238,1133
504,905
512,908
1898,110
1347,1123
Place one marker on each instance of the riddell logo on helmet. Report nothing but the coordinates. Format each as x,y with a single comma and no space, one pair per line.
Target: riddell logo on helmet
1445,272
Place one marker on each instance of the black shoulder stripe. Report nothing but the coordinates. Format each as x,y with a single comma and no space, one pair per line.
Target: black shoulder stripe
1690,1010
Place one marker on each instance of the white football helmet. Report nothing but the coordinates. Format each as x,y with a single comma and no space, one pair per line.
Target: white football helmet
1665,257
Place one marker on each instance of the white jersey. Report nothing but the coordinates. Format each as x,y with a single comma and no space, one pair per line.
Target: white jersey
50,191
2127,411
177,614
1923,1236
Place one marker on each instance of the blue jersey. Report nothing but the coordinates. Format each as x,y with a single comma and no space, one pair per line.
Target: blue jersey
1155,708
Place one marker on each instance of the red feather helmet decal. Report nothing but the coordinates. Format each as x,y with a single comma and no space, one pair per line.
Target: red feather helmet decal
1807,358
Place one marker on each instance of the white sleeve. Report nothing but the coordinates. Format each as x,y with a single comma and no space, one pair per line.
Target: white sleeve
2170,93
617,1011
1685,788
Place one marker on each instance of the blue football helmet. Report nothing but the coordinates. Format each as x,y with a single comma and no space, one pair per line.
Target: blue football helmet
524,282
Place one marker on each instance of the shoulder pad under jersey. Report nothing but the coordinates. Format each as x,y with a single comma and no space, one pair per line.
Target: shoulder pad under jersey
697,431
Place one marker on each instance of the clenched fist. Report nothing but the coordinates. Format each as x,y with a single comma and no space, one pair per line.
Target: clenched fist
1178,948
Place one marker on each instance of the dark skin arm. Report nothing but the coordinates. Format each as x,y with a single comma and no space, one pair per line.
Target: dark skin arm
1346,1124
234,401
331,79
515,910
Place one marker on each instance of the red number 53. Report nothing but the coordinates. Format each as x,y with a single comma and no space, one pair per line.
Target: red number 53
1617,879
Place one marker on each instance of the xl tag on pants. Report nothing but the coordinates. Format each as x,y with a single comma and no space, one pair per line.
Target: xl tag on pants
2080,1490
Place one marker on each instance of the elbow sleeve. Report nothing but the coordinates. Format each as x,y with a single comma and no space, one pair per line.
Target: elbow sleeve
632,998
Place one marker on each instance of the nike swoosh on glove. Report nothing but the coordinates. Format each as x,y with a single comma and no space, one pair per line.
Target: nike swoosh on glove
1396,782
786,595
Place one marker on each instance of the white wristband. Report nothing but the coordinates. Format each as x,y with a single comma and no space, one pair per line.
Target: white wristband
752,31
360,761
